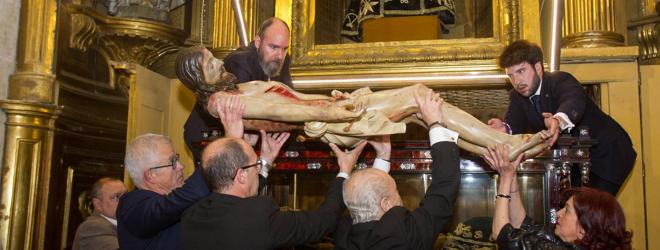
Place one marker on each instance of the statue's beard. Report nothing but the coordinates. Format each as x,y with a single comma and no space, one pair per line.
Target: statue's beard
228,79
227,82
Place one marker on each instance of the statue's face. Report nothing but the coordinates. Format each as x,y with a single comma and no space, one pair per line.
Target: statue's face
214,69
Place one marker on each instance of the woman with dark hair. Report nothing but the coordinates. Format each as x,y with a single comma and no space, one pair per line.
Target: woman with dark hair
591,219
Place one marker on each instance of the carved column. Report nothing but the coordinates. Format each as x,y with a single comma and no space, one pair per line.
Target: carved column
31,112
225,36
590,23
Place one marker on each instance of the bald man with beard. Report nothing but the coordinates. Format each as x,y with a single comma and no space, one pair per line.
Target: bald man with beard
265,59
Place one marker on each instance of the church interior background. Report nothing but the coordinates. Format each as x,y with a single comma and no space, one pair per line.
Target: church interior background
69,71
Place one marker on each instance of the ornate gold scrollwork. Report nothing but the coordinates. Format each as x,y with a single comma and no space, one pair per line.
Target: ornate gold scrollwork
82,28
122,39
648,36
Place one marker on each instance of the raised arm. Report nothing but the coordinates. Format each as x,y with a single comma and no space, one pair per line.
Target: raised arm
145,215
383,147
295,228
230,110
508,209
437,207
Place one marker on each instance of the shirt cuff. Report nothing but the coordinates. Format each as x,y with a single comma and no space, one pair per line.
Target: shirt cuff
382,165
438,134
508,128
564,122
343,175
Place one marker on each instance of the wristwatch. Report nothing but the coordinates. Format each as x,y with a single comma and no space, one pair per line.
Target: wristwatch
265,163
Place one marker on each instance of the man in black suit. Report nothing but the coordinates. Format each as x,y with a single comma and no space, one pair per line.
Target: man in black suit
233,217
379,221
148,217
556,101
265,59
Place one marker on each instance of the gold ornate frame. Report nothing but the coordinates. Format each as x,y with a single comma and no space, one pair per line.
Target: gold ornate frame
408,57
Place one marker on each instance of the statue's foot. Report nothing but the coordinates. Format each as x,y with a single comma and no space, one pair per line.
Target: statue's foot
529,144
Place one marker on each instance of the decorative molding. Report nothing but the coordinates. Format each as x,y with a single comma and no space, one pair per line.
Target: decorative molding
309,57
83,28
648,36
122,39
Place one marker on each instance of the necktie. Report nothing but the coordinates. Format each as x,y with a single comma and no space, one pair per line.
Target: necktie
536,101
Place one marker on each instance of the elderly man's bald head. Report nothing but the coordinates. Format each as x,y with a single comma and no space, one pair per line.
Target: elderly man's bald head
369,193
221,160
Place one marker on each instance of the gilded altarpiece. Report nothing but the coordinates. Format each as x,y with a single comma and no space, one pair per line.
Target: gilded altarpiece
90,135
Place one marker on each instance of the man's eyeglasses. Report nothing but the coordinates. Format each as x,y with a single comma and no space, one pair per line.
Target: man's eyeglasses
259,163
172,164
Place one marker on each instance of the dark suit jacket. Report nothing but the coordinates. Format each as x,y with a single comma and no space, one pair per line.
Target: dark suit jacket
148,220
96,232
228,222
613,157
244,63
400,228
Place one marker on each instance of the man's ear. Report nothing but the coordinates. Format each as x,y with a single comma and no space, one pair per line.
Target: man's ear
385,204
241,176
97,204
147,176
257,41
538,67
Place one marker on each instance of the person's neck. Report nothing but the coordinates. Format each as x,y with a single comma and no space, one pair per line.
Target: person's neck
156,188
234,191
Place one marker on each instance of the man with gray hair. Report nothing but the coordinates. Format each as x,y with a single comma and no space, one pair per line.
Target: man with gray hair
148,217
99,230
379,220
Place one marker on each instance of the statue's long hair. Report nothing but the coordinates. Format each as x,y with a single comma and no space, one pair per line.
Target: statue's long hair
188,68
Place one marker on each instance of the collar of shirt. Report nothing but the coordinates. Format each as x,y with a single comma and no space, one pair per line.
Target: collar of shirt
111,220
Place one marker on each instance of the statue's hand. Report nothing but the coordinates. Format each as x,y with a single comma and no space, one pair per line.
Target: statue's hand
338,95
497,124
